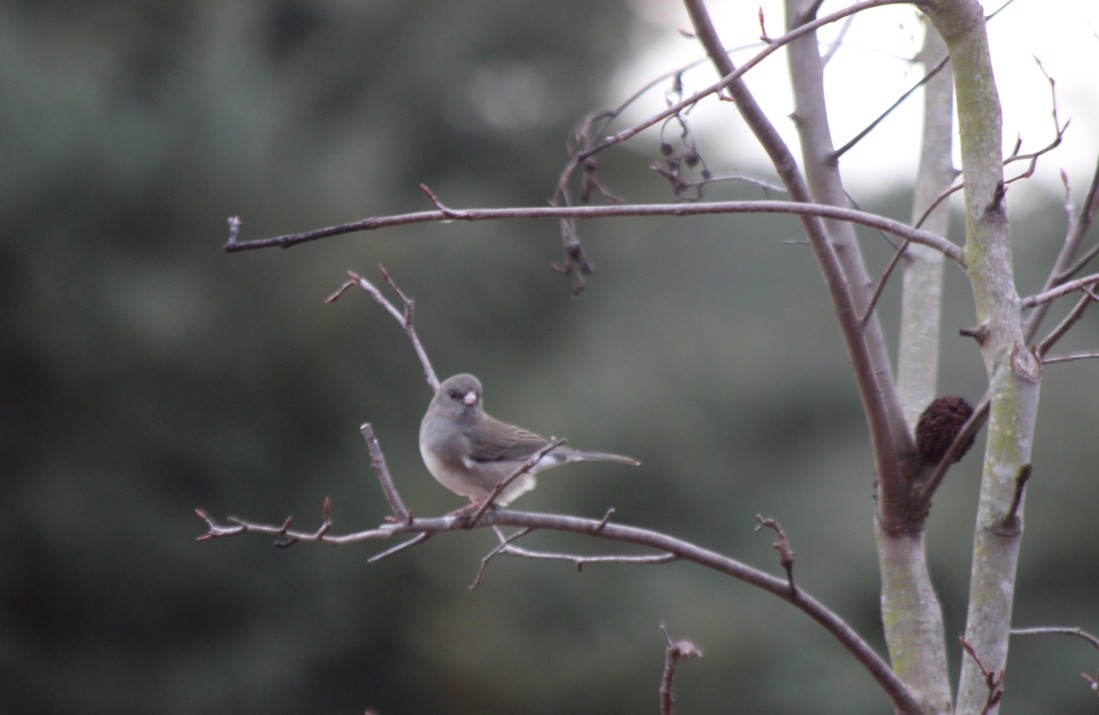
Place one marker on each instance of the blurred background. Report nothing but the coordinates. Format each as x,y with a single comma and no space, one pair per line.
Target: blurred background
144,373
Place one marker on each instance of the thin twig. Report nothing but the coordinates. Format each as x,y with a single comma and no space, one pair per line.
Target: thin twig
1032,157
900,100
1069,357
993,681
504,541
405,317
838,42
377,461
1069,248
287,536
939,66
1091,680
580,560
1067,265
1082,223
782,546
524,468
1063,289
1076,631
773,45
414,541
880,288
1065,325
674,651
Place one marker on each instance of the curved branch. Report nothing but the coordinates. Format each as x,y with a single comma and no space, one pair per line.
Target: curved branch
600,529
948,248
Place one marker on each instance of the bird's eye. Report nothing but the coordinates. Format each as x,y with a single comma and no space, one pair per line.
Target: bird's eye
456,395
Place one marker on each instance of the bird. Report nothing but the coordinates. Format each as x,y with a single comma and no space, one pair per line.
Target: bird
470,452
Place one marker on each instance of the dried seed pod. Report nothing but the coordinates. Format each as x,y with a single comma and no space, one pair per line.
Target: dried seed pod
939,424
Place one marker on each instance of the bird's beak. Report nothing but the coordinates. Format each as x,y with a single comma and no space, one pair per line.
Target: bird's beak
470,399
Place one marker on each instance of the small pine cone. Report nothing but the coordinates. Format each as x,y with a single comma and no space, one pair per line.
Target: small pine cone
939,424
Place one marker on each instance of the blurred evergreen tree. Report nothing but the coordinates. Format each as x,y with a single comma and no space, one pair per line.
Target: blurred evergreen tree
143,373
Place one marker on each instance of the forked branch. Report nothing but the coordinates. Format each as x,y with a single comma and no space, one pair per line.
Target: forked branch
402,522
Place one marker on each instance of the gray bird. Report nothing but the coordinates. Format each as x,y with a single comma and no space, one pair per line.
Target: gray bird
469,452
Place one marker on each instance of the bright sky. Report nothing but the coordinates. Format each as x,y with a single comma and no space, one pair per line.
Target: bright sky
871,70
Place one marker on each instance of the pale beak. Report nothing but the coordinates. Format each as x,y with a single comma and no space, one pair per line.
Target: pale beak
470,399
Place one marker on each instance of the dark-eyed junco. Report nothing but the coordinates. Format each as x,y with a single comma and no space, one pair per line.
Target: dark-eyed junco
469,452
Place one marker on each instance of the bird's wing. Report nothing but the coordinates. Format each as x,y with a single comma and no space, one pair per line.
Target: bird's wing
496,441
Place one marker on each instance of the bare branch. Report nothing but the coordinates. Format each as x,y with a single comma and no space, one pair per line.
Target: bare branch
287,536
1069,357
504,541
377,461
1067,265
782,546
1066,323
507,547
880,288
1092,680
1079,228
668,547
1032,157
414,541
889,110
993,681
773,44
1076,631
1058,130
674,651
580,560
405,318
1063,289
800,208
575,263
768,187
838,42
434,199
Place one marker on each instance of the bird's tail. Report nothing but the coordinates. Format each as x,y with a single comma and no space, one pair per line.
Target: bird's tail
579,455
